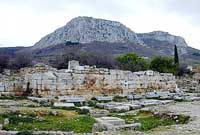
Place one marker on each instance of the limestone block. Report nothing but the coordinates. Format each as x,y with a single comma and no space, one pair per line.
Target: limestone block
104,98
60,104
109,106
112,120
71,99
119,109
146,103
133,106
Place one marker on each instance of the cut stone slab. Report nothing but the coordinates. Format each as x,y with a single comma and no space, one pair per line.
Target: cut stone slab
164,102
49,99
118,109
70,99
112,120
100,105
134,97
166,97
109,106
178,98
99,113
60,104
146,103
112,124
134,106
85,108
104,98
190,98
152,95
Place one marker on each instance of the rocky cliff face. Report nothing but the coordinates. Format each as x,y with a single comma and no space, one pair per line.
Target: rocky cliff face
163,42
163,36
87,30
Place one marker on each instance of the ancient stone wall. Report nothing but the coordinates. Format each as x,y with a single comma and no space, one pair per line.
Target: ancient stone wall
88,81
42,80
196,81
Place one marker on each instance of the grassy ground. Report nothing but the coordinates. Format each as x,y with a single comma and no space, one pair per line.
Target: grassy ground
149,121
76,123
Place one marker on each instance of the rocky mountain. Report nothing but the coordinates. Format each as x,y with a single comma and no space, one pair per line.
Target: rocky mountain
163,36
87,30
110,38
163,40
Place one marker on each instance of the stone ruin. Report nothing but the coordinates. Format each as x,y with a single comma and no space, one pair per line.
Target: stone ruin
196,82
189,84
45,81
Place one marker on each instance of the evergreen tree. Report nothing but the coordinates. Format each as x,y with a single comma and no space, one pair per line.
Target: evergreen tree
176,59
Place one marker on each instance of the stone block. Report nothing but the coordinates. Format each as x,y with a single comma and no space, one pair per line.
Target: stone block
71,99
104,98
120,109
60,104
112,120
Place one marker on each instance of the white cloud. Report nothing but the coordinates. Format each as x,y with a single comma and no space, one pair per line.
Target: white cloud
24,22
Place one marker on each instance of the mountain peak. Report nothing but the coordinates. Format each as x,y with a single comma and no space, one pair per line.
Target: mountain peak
88,29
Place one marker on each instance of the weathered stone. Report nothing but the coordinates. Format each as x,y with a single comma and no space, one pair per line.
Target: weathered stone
100,105
152,95
150,103
164,102
178,98
60,104
6,121
119,109
40,100
191,98
104,98
112,124
1,126
112,120
134,97
87,81
109,106
134,106
99,113
85,108
71,99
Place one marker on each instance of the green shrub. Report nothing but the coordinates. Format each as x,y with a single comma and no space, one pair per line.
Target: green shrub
83,111
92,103
78,104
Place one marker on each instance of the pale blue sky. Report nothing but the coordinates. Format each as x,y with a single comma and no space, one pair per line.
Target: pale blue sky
24,22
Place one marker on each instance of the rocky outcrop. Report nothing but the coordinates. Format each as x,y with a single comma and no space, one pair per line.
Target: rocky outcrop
87,30
163,42
163,36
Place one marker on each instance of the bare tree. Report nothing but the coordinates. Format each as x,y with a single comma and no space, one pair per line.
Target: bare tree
4,60
21,60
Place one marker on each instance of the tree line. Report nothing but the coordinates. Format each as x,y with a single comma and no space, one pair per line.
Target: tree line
20,60
131,61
